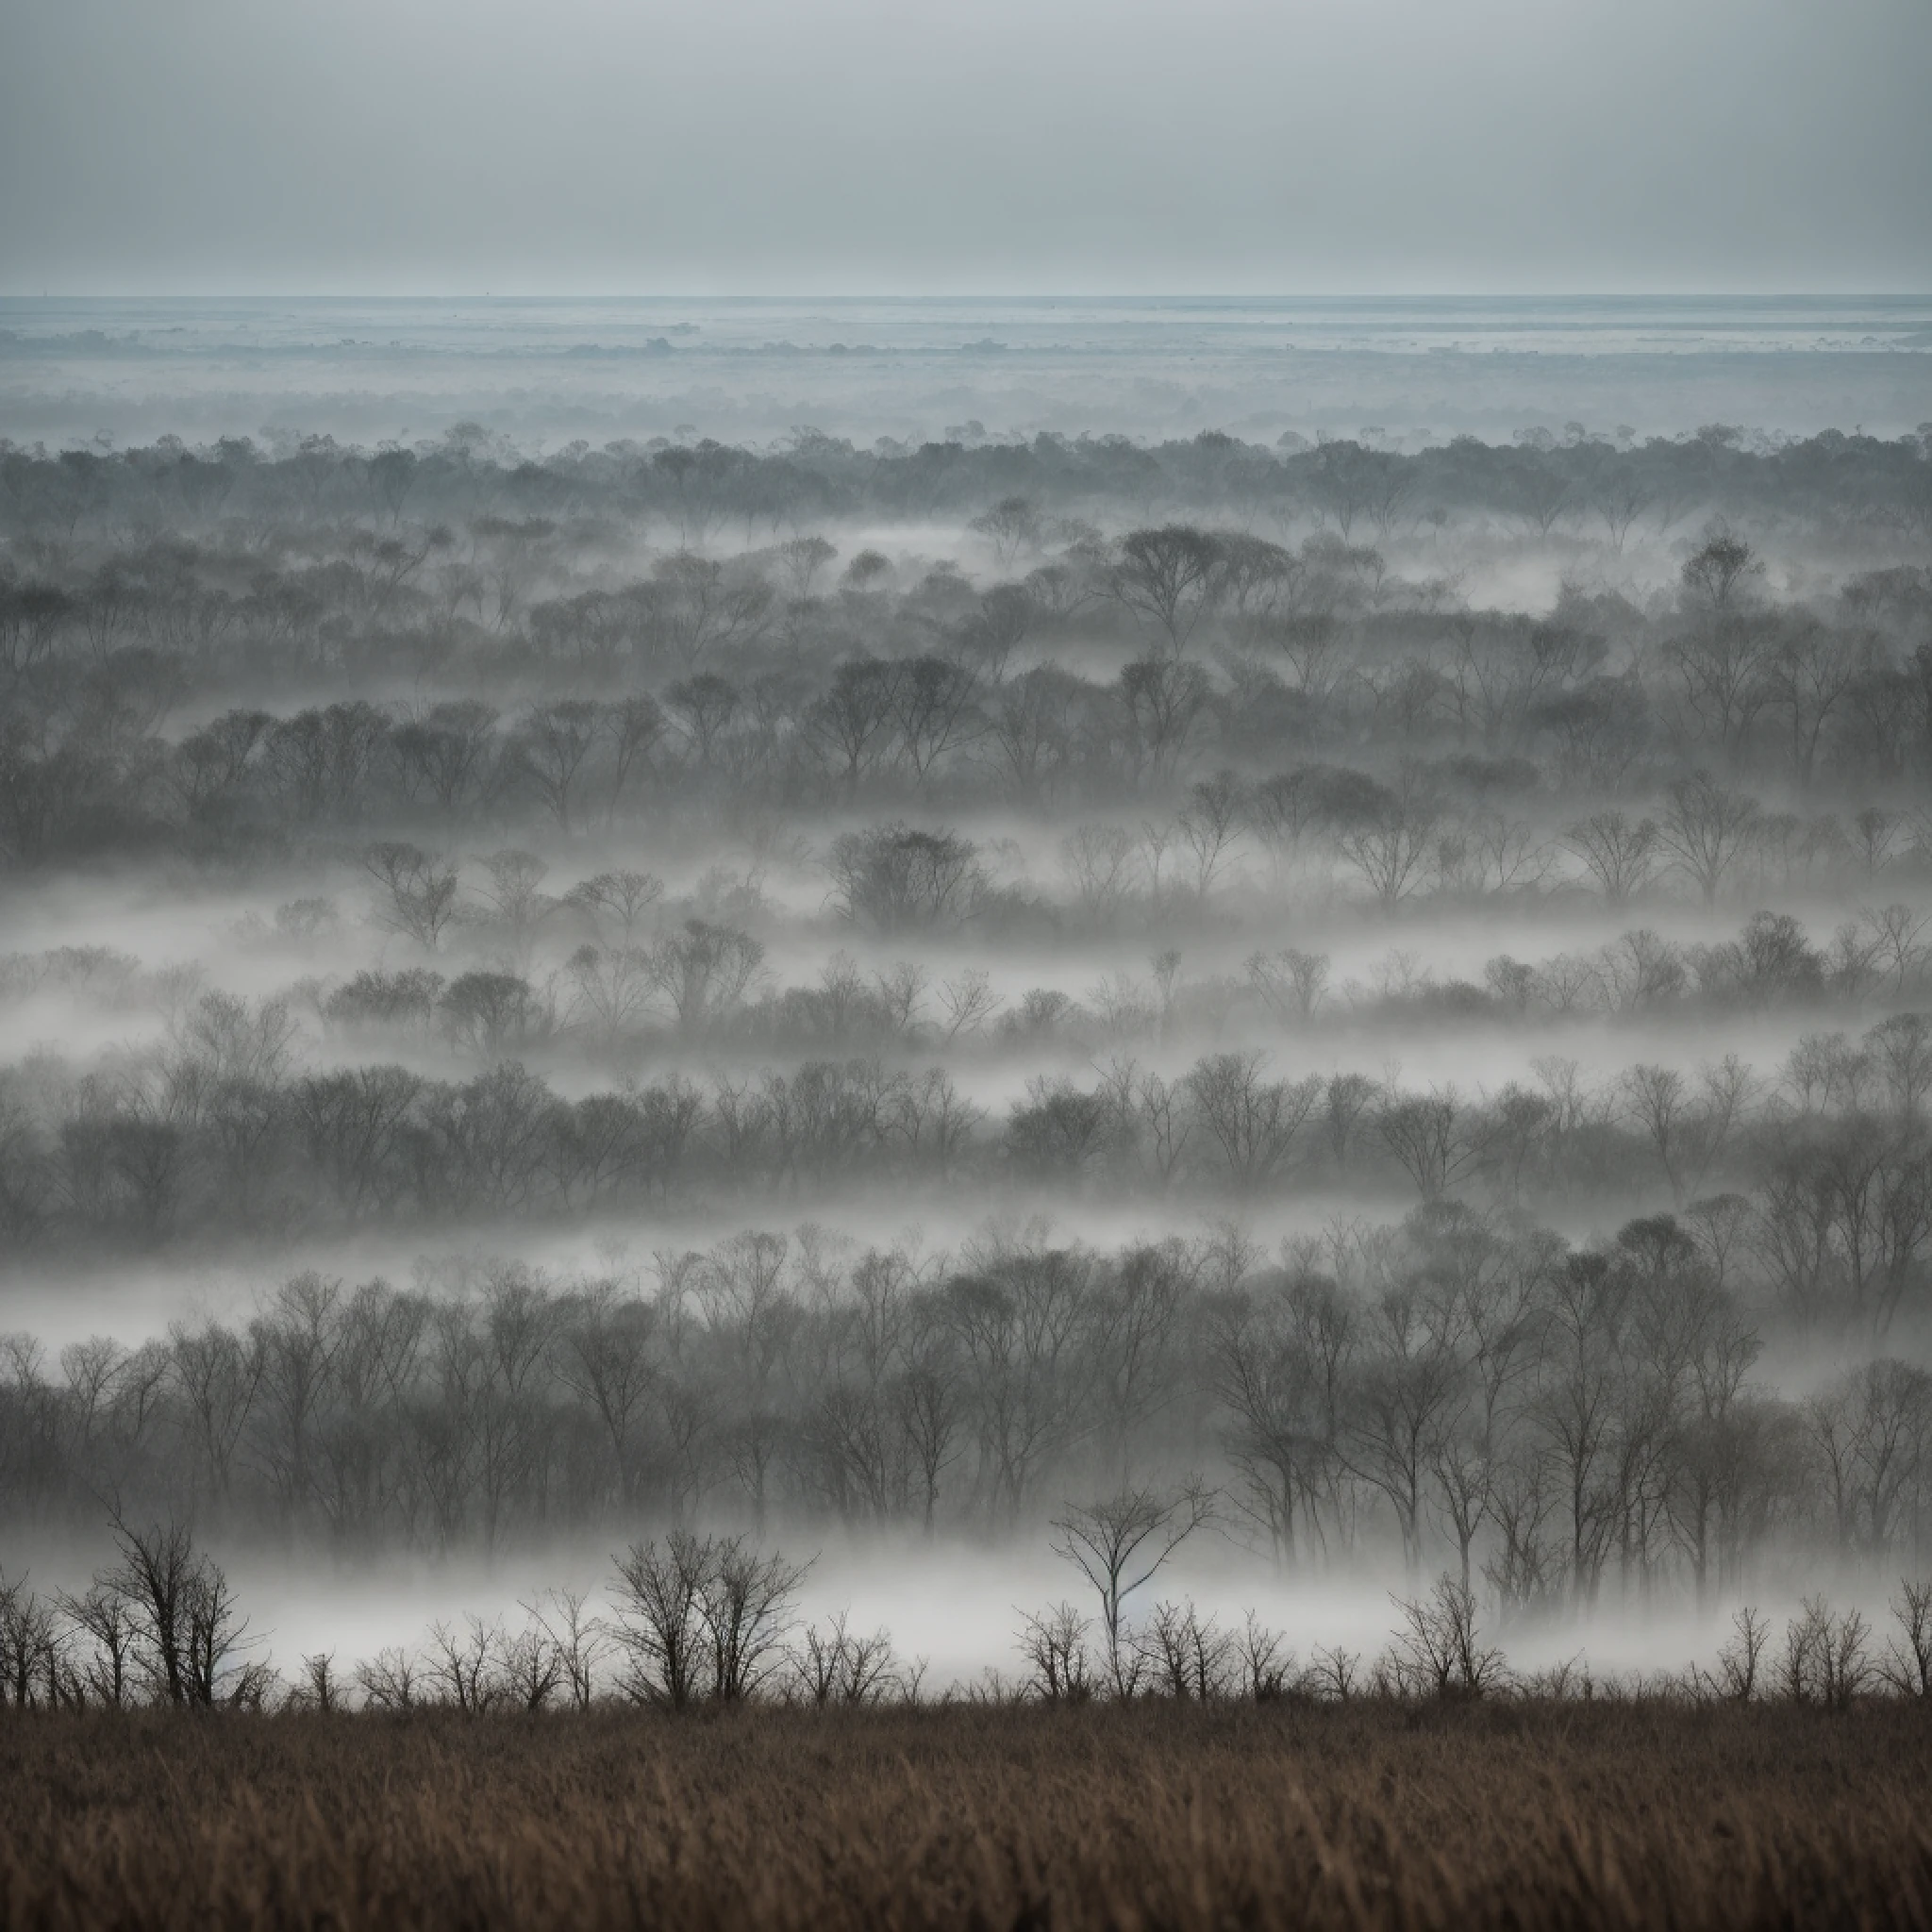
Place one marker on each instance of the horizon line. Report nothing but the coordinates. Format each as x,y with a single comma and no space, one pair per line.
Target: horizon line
563,294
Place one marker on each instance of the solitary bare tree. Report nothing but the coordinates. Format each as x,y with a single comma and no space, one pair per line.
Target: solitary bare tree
1119,1544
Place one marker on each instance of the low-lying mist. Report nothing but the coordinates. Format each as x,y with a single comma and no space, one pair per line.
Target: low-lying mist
859,1019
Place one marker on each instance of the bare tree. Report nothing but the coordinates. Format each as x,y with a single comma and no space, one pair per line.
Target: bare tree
464,1667
109,1673
387,1680
1706,828
1012,524
1907,1667
804,558
33,1663
1620,855
553,744
1717,574
702,1617
703,970
1098,859
835,1665
1619,502
659,1627
515,894
1428,1135
1121,1543
1807,675
1253,1121
893,877
1172,575
969,1001
621,898
744,1603
1209,826
187,1630
419,892
1292,983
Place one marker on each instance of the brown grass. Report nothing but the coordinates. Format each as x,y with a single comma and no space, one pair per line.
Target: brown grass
1511,1814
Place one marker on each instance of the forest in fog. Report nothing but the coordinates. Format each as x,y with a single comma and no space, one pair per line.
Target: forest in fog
1381,998
965,967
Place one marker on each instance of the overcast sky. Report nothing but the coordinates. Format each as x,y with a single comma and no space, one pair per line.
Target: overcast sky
948,146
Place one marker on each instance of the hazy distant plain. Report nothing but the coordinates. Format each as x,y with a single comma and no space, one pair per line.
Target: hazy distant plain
544,371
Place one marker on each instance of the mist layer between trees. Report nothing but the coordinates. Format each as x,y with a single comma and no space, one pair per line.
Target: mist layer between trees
827,992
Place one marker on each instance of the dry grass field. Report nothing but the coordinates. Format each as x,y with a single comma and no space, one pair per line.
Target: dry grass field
1373,1814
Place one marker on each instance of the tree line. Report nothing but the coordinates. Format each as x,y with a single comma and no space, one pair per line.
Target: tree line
1538,481
693,1621
664,987
223,1135
1565,1425
1419,728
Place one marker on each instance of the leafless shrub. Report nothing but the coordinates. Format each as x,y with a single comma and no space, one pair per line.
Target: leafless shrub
31,1647
1189,1656
1907,1666
745,1606
1739,1663
1265,1664
1559,1682
254,1685
1438,1653
463,1668
1060,1665
1825,1659
579,1640
1334,1673
1847,1667
320,1688
702,1617
387,1680
833,1665
530,1668
107,1674
188,1637
658,1627
818,1663
992,1690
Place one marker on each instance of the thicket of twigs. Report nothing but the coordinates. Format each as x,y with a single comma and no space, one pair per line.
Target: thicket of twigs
692,1622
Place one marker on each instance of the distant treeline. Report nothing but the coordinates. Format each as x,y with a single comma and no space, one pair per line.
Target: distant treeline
221,1133
1559,1420
651,988
1596,784
626,687
1536,481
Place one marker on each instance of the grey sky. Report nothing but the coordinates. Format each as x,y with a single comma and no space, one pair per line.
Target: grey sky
904,145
